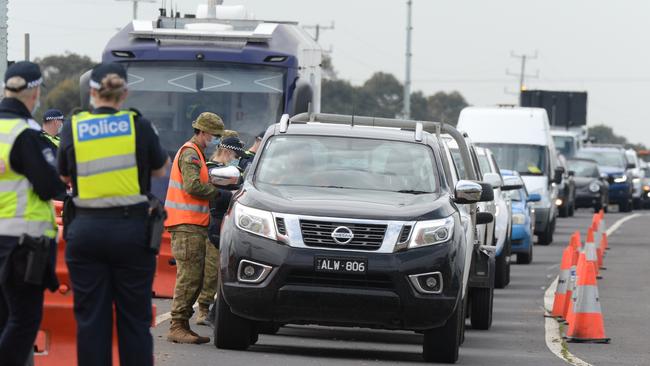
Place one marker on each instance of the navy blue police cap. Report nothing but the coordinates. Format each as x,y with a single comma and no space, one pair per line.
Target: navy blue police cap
234,144
52,115
102,70
29,71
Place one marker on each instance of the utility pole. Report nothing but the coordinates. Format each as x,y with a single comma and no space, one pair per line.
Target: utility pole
27,47
3,36
522,73
317,28
407,78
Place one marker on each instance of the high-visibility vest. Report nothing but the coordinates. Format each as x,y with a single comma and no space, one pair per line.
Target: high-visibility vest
183,208
53,139
107,170
21,210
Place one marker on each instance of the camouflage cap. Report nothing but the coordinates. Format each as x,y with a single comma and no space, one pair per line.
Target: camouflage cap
210,123
230,133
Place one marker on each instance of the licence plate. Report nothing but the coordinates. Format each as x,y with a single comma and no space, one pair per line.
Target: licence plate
340,265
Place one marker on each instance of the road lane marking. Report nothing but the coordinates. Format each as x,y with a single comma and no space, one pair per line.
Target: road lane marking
552,335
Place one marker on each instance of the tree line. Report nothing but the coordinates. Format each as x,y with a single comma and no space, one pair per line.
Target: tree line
379,96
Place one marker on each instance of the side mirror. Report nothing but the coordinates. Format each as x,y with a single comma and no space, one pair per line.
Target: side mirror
494,179
483,218
512,182
467,191
630,166
572,173
224,176
557,178
534,197
487,194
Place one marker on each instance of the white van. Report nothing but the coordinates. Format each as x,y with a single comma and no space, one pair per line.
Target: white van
520,139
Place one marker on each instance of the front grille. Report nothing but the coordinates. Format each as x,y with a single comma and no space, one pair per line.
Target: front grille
311,278
405,234
319,234
282,229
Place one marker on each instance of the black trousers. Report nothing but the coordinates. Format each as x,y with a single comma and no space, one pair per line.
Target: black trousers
21,311
110,264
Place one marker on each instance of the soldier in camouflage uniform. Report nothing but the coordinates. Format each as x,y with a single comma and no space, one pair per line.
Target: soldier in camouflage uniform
189,240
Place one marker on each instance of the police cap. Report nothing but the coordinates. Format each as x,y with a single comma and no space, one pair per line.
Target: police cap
102,70
233,144
210,123
52,115
28,71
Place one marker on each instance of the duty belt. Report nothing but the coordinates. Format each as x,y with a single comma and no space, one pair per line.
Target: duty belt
139,210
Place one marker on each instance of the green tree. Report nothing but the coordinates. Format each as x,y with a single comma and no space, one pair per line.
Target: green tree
65,96
446,107
605,135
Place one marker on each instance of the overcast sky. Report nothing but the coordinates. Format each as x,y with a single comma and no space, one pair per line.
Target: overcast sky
599,46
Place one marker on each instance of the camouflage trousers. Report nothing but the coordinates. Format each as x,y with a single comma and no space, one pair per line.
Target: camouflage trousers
210,275
195,269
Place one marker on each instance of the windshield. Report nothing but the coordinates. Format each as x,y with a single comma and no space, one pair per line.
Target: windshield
172,94
566,145
612,158
347,163
525,159
584,168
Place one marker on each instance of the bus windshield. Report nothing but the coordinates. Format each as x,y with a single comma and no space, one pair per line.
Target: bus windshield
172,94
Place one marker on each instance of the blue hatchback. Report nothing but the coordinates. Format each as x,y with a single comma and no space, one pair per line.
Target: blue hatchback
523,217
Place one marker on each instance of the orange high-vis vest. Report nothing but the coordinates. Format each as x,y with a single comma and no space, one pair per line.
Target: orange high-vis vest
182,208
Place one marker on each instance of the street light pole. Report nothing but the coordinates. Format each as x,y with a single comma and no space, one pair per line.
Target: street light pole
407,79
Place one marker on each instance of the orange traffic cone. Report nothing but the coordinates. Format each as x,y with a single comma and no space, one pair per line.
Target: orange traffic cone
559,303
586,324
590,251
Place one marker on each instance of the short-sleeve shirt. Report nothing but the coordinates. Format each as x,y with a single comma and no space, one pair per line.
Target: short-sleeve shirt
148,152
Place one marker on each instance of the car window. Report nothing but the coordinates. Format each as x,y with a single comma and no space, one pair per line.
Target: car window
350,163
604,157
584,168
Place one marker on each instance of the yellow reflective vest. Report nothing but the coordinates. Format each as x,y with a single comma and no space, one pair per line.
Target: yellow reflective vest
105,155
21,210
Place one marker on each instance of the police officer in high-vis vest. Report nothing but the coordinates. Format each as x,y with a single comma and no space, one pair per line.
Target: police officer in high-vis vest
52,123
28,182
109,155
188,209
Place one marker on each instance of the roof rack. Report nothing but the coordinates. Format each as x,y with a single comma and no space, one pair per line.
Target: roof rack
418,126
145,29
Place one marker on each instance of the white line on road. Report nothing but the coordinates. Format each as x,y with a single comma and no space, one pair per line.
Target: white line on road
554,340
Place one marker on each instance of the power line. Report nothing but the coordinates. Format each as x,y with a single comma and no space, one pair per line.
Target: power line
318,28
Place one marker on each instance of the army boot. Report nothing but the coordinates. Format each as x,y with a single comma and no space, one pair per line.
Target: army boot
179,332
202,317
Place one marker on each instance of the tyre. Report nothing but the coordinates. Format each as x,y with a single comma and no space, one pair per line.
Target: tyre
572,208
637,203
526,258
624,206
501,271
441,344
564,210
481,302
231,331
546,237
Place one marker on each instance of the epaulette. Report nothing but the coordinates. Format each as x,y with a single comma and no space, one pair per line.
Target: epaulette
137,112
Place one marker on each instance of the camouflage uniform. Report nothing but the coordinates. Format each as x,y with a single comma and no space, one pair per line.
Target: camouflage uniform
189,242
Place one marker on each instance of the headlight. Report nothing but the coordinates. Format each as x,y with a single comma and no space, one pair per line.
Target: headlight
432,232
622,179
646,188
255,221
636,180
594,187
518,219
558,202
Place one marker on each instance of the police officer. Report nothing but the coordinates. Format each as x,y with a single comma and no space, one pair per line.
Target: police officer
52,123
230,150
187,204
249,154
110,155
28,181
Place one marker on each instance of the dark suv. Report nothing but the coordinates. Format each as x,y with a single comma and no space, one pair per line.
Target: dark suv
346,223
612,161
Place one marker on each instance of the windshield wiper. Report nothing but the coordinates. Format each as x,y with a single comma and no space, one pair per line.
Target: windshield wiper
412,191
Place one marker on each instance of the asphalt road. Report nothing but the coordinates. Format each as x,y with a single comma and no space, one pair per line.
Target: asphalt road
516,337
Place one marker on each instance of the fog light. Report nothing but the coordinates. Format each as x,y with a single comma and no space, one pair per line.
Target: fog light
252,272
427,283
558,202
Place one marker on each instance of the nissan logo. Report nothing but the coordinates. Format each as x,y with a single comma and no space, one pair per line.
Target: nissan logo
342,235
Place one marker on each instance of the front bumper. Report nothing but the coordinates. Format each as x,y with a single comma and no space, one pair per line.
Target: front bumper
619,192
588,199
521,239
295,293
